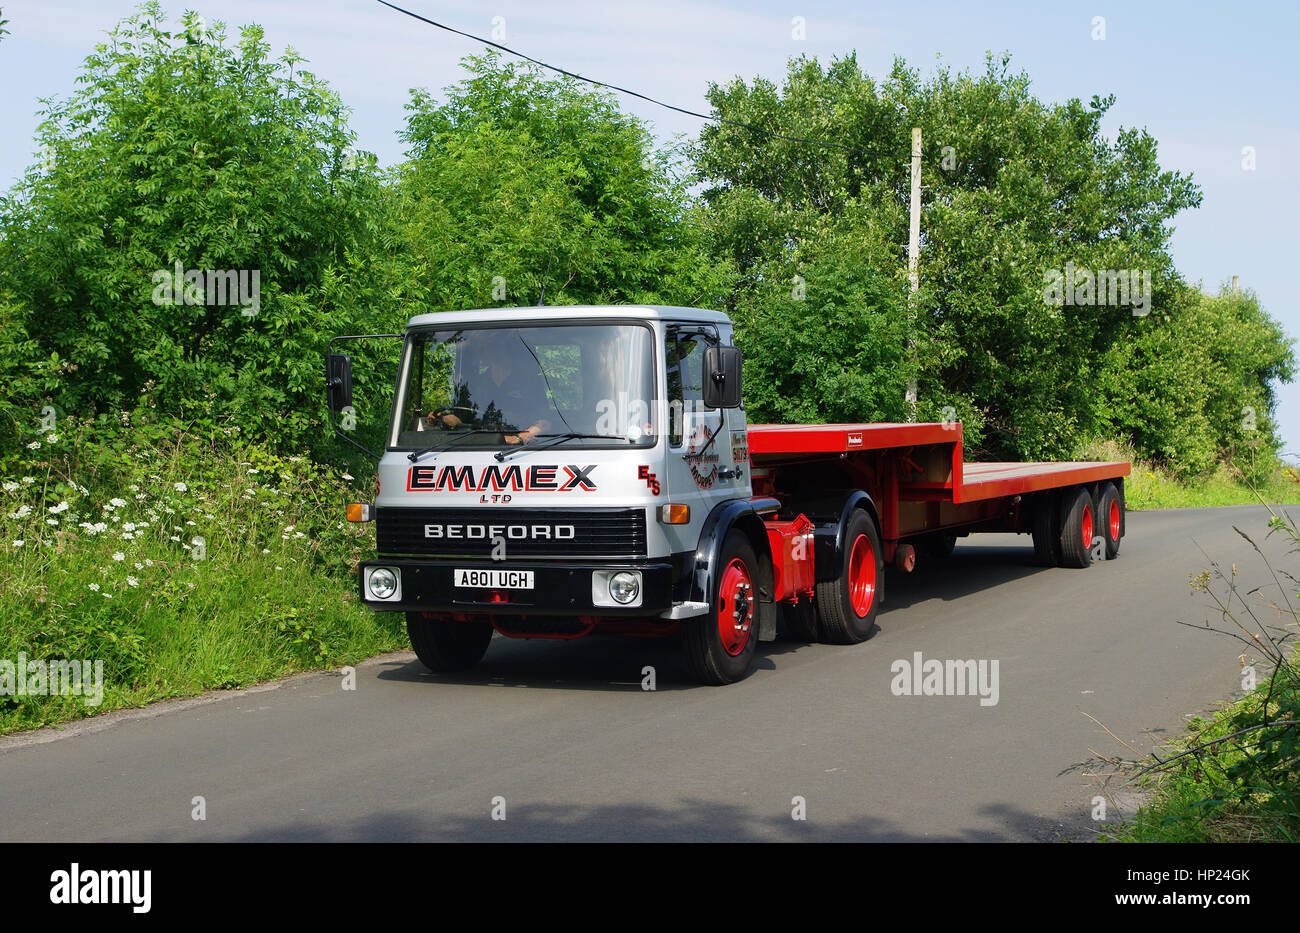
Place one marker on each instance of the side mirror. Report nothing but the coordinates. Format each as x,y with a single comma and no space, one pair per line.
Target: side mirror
722,377
338,381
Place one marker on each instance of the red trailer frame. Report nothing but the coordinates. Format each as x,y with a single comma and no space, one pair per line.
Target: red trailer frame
915,475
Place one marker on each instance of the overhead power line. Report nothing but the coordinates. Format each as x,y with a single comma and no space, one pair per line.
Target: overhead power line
648,99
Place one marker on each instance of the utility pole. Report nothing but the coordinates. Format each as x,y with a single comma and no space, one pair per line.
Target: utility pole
914,257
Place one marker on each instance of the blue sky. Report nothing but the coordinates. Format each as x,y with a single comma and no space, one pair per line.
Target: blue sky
1205,79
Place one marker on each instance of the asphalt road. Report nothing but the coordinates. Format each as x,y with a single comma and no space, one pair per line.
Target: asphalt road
561,739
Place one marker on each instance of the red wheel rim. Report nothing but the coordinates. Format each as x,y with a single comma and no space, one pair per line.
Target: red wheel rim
1113,519
1087,526
862,575
735,607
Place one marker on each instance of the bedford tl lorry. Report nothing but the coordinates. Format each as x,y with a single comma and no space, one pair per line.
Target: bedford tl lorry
555,472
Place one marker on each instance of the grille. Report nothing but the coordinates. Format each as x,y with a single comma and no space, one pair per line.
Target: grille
468,532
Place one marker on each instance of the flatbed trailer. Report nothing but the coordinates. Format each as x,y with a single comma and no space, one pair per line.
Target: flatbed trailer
919,481
607,481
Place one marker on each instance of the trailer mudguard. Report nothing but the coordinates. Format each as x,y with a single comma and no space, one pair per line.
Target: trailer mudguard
745,514
828,536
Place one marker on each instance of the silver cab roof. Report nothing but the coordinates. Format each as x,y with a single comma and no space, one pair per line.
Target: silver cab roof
567,312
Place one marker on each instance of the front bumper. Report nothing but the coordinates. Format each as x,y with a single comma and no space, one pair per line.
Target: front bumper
558,589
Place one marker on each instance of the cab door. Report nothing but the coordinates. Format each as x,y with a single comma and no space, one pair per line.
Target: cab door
698,472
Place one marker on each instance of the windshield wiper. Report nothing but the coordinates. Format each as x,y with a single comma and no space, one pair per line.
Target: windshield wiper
559,439
416,455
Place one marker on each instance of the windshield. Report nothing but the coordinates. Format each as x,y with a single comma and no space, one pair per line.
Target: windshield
475,387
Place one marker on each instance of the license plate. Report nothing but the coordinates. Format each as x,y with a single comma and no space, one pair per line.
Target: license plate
494,579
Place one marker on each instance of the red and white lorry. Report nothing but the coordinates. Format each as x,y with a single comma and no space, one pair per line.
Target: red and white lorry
555,472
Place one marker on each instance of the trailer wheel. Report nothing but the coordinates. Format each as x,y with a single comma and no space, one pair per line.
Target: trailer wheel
720,646
939,546
1110,516
1047,532
1077,529
445,645
847,605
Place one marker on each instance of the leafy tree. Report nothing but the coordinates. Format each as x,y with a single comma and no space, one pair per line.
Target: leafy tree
183,151
1015,191
522,188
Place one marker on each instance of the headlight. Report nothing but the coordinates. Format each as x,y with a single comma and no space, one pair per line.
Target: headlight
625,586
383,583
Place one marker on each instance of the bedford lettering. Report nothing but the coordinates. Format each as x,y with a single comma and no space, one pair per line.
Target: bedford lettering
515,532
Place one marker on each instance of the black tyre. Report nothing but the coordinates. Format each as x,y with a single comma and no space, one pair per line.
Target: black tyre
1110,519
847,605
939,546
1047,531
800,621
720,646
1077,529
445,645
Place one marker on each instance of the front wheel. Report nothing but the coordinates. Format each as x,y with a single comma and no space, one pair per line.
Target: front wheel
847,605
720,646
445,645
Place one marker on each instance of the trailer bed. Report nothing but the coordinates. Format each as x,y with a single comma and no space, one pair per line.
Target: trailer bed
955,481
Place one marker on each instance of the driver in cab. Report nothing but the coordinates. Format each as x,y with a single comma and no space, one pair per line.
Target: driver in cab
509,392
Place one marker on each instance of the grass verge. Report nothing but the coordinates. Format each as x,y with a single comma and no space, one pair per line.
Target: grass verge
179,558
1236,776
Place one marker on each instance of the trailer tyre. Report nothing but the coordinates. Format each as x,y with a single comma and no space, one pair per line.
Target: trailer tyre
720,646
445,645
939,546
1110,519
1078,528
847,605
1047,532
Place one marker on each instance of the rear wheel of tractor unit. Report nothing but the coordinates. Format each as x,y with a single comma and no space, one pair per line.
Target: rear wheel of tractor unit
1078,527
1110,519
847,605
446,645
720,646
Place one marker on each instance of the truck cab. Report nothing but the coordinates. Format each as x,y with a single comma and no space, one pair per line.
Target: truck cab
554,472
